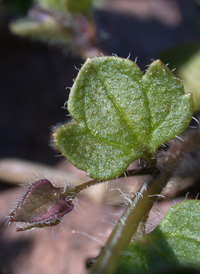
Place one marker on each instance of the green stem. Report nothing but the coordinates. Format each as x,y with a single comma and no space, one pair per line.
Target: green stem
127,225
128,173
137,210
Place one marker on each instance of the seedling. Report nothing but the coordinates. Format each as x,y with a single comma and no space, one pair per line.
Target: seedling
120,115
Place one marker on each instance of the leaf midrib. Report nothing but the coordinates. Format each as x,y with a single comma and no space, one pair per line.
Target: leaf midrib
121,113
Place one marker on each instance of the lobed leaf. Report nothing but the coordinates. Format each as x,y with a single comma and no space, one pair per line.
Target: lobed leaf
121,115
174,243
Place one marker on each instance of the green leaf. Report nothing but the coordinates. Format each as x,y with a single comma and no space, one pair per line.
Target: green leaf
67,5
175,242
46,29
59,5
121,115
78,5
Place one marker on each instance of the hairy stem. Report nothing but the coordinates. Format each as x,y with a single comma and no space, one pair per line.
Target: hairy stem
128,173
133,215
127,225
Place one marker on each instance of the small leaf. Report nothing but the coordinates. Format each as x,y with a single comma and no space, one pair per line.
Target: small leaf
52,4
66,5
43,27
175,242
78,5
121,115
43,205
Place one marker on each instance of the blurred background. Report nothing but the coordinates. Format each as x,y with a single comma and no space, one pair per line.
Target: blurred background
42,45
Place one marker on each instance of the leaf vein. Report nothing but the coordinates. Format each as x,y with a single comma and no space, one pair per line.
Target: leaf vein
119,109
147,105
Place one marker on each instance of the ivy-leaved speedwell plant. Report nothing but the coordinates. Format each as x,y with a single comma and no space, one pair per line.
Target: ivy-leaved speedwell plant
121,115
118,115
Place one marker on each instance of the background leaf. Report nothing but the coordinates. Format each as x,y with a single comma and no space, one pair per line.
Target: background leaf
121,115
46,29
67,5
52,4
79,5
174,243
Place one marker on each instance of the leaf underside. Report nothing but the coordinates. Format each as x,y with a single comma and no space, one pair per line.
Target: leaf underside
174,243
121,115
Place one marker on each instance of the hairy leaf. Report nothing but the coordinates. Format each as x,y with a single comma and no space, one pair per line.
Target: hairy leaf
174,243
121,115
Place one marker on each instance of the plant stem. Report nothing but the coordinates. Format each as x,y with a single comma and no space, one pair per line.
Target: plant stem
127,225
128,173
138,208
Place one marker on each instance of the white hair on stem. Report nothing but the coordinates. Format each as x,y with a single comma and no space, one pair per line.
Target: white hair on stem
109,222
103,235
88,236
